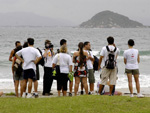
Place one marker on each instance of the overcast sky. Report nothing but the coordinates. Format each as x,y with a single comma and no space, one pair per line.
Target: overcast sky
78,11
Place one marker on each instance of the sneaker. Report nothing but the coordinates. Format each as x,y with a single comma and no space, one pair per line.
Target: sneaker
35,95
24,95
29,95
50,93
140,95
82,92
131,95
70,94
90,93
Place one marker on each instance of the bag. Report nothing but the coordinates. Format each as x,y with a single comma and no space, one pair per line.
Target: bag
70,76
110,63
96,61
41,62
56,70
95,65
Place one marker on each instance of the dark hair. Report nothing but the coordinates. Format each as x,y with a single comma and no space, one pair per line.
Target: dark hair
25,44
18,48
81,45
86,43
62,42
30,41
110,40
17,42
131,42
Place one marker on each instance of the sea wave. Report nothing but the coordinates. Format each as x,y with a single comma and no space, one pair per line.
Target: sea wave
122,82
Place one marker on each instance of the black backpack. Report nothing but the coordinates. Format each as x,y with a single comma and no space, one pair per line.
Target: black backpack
95,65
96,61
41,62
110,63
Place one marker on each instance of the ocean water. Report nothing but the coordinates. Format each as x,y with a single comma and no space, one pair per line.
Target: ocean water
97,37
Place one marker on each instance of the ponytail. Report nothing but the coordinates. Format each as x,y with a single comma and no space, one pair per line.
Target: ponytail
81,54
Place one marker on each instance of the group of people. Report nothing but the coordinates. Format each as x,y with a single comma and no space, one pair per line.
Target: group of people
25,60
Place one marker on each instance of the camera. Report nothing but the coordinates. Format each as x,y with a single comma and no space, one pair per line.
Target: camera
49,45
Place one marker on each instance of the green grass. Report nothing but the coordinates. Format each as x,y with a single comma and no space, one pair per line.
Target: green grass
79,104
10,94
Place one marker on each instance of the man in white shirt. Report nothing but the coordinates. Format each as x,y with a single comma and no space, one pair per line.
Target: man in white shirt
48,57
90,60
106,74
30,57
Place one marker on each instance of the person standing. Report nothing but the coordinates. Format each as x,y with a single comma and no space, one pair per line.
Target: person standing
131,60
47,78
18,73
65,63
64,42
90,60
108,61
31,57
80,68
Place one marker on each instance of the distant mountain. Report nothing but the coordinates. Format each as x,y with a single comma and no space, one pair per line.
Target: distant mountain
108,19
30,19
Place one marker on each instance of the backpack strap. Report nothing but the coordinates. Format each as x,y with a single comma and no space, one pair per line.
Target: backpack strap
115,49
107,48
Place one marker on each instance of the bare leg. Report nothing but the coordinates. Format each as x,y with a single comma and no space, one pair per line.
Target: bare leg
91,87
21,87
70,86
24,85
29,85
84,80
64,93
81,86
35,86
130,83
16,87
100,88
136,78
111,89
77,81
59,93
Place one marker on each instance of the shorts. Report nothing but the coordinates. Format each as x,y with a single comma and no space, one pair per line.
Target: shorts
62,80
91,76
110,74
18,77
132,71
29,74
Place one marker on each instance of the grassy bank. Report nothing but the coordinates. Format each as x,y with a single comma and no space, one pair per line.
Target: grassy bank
79,104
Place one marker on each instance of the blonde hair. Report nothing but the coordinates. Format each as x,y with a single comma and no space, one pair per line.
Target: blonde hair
63,49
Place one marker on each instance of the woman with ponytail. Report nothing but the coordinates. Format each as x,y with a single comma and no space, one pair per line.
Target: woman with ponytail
80,68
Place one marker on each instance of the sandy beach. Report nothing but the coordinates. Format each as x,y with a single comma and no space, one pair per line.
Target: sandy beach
125,91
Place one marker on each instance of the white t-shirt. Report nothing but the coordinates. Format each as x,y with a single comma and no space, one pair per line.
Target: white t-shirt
104,53
64,60
48,60
29,54
131,55
89,62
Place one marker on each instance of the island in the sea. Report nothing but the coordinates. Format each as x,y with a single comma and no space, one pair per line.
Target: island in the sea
109,19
